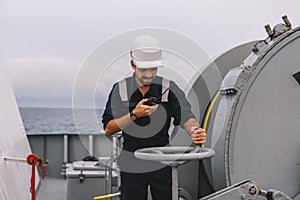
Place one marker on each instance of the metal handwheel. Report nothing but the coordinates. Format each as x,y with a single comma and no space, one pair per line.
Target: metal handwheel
174,156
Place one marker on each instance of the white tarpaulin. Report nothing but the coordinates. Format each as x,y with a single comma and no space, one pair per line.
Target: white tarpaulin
15,176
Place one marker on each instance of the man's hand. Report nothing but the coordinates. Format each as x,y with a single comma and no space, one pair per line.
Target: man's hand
198,135
142,110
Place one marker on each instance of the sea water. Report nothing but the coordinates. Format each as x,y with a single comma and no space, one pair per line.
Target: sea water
60,120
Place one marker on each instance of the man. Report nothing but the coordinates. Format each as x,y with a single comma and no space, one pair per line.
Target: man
145,121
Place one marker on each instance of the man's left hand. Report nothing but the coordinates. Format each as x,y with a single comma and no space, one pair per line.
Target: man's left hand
198,135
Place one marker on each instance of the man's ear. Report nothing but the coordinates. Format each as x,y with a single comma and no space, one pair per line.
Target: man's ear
132,65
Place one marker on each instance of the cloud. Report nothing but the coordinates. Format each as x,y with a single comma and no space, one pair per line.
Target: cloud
44,45
44,79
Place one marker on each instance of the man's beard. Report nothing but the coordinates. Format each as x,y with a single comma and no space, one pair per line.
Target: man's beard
141,80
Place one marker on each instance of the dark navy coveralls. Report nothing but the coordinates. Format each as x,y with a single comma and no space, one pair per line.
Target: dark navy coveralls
137,175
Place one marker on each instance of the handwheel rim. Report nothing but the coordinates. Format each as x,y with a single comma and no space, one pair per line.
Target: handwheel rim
167,153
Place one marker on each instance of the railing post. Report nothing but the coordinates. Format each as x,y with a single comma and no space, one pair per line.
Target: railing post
91,146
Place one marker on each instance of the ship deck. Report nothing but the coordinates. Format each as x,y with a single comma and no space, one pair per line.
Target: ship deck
52,188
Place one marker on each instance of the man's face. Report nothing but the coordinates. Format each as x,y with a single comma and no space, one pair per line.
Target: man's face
145,76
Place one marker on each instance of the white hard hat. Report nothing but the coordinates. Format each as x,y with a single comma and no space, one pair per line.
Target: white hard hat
145,52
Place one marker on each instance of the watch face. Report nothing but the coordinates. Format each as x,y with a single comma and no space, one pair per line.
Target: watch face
133,116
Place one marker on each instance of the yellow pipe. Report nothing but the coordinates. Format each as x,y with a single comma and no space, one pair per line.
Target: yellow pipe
107,196
103,197
209,112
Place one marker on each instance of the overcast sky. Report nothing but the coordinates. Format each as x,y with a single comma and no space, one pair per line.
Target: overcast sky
45,43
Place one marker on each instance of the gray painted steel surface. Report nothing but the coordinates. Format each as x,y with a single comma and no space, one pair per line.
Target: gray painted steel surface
203,89
50,147
256,127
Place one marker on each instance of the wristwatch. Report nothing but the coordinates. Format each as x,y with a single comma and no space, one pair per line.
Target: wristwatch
133,117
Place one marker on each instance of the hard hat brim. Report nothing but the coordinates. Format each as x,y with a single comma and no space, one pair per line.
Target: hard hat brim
148,64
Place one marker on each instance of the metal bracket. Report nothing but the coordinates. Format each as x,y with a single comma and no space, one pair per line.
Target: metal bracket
246,190
279,28
229,83
81,176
